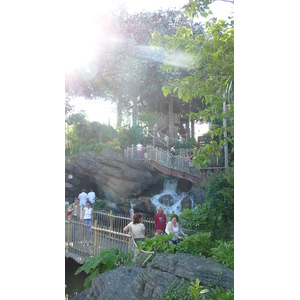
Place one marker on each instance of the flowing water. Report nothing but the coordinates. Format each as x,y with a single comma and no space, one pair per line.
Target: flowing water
169,198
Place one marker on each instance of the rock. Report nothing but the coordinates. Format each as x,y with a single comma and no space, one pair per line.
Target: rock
116,179
186,203
115,284
136,283
145,206
198,195
166,200
184,185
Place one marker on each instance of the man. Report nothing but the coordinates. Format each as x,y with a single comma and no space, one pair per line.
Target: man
172,153
139,150
76,210
82,197
91,195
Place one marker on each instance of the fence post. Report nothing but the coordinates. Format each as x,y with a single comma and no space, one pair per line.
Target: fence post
129,243
95,241
69,225
110,220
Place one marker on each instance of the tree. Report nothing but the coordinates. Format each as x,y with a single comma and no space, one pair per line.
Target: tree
126,70
211,78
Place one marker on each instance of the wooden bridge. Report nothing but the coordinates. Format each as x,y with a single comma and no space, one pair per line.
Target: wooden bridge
179,167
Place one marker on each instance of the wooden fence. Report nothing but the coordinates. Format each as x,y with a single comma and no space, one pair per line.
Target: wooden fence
116,222
91,240
106,232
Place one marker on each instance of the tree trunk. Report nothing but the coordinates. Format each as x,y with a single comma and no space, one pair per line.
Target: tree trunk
193,129
119,112
188,129
171,118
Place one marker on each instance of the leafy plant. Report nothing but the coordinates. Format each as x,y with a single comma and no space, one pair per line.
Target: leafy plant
175,291
197,244
183,291
195,290
216,214
159,244
99,204
108,259
221,294
224,253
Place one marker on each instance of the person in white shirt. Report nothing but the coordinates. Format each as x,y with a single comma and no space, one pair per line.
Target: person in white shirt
91,195
82,198
87,217
139,150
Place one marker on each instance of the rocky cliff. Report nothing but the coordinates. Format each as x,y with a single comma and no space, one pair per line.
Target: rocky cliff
110,175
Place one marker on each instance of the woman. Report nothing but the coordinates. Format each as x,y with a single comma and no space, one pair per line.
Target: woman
160,221
137,228
87,217
173,226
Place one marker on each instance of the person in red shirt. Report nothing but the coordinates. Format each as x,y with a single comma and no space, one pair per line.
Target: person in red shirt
160,221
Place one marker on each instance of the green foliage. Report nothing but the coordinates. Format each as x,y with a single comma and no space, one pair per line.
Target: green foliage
132,136
99,204
183,291
221,294
175,291
158,244
195,290
223,252
209,59
197,244
216,214
108,259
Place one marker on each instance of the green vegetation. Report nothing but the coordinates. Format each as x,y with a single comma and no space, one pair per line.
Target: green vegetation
99,204
193,291
216,214
108,259
184,291
84,136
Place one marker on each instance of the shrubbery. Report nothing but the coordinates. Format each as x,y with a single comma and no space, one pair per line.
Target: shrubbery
216,214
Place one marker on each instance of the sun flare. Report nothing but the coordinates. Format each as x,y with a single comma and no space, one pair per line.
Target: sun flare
81,34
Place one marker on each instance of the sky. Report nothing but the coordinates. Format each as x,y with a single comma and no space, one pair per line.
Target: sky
104,111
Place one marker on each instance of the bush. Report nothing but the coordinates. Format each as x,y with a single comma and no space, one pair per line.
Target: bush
99,204
216,214
159,244
184,292
221,294
197,244
223,252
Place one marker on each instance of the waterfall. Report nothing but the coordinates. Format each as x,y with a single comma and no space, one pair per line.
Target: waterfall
169,198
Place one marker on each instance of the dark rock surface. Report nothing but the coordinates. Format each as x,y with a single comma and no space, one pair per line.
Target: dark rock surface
115,178
150,283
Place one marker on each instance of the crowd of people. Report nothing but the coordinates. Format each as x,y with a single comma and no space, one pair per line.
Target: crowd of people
82,209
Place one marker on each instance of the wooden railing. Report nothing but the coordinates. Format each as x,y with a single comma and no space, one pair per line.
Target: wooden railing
116,222
91,240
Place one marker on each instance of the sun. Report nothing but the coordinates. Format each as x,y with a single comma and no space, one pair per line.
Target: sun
82,30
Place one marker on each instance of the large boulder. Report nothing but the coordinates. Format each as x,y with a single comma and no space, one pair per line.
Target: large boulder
115,178
150,283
